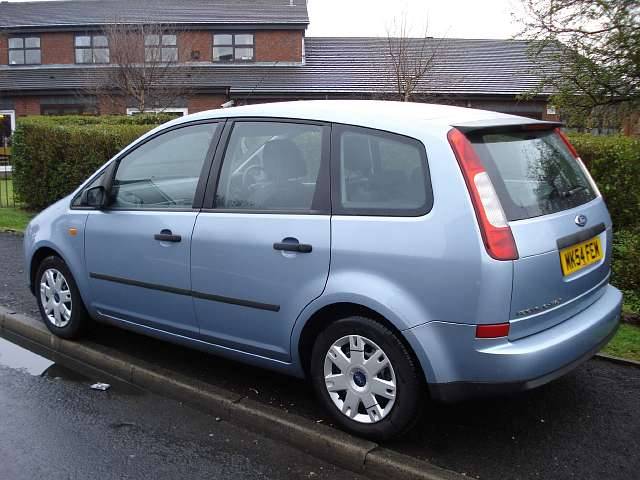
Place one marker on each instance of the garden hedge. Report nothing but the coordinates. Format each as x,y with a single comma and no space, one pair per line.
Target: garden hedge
626,266
53,155
614,163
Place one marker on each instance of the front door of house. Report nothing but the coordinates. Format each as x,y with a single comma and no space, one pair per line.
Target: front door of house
7,126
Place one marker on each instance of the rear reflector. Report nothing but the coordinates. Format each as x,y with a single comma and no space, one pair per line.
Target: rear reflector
492,331
495,230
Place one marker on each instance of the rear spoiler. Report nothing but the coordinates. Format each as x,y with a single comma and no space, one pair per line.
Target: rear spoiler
508,123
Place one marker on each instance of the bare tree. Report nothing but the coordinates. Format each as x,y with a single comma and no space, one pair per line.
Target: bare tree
144,59
411,59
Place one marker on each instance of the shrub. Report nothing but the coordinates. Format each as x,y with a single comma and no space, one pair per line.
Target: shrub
79,120
626,261
614,162
53,155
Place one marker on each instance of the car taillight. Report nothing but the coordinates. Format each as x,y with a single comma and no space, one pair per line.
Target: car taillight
496,233
575,154
492,331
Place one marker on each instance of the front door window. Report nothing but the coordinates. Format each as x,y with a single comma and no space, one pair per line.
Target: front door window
164,172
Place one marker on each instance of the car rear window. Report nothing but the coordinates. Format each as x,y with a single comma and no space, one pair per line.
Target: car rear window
533,173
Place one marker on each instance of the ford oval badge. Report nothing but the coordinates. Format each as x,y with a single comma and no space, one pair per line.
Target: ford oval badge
581,220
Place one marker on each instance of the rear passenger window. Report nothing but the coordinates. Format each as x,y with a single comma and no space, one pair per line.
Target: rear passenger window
380,173
271,166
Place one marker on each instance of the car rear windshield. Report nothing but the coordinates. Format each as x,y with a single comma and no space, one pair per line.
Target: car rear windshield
533,173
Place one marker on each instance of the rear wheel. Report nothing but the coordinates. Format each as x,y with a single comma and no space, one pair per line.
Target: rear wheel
59,300
366,378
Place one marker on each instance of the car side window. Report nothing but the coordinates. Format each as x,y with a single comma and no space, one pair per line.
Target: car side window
271,166
163,173
379,173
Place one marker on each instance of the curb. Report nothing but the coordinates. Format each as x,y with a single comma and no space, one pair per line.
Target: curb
618,360
326,443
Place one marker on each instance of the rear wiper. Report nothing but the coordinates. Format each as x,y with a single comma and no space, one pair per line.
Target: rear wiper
572,191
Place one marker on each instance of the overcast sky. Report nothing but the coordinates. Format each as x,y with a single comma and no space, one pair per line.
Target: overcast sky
445,18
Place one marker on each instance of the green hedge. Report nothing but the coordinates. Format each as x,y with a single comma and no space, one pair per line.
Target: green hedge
626,266
53,155
79,120
614,163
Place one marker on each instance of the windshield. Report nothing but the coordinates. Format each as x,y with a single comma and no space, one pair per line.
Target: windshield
533,173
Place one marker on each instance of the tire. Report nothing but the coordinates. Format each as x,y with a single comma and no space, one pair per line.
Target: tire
66,315
397,409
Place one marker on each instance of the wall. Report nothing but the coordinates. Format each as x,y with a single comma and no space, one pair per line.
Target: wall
4,50
201,41
57,48
26,106
111,105
200,103
271,46
278,46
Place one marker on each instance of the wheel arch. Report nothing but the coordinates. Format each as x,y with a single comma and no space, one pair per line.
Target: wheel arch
332,312
38,256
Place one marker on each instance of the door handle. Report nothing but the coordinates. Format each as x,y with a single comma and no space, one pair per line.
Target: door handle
293,247
167,236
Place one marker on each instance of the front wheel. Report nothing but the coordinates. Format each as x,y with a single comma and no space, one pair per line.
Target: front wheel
59,300
367,379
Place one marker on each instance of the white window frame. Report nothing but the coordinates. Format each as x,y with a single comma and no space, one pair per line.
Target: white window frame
161,46
12,114
183,110
24,49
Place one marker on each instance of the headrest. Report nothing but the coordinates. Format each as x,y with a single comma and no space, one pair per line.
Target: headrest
356,154
282,160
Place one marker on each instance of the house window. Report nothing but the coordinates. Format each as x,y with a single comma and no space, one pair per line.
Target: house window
24,51
161,48
67,109
233,47
92,49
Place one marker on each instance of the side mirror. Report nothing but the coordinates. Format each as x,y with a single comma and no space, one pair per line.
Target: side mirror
94,197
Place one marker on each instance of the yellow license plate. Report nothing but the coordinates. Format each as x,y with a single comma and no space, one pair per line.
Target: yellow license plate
580,255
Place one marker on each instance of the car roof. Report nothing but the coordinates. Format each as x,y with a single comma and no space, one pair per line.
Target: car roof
372,113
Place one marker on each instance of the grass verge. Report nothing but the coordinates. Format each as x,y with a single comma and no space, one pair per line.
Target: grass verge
6,193
626,343
14,219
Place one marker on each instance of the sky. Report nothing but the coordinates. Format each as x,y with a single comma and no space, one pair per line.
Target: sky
442,18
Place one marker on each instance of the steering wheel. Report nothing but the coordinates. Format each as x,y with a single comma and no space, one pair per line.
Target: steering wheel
254,169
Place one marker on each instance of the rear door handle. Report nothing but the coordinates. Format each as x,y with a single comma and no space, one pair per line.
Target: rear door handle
293,247
167,236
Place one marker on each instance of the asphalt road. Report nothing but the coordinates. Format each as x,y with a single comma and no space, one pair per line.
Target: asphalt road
54,426
585,425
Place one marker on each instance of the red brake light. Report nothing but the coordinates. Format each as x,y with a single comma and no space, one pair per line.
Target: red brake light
566,141
492,331
496,233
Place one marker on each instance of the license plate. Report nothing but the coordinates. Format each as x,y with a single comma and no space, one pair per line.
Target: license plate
580,255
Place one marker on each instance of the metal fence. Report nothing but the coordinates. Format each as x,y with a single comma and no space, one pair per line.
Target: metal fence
7,196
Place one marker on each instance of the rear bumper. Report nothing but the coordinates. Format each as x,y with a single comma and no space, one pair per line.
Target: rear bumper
459,366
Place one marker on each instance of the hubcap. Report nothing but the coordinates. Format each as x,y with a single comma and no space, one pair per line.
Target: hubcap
360,379
55,296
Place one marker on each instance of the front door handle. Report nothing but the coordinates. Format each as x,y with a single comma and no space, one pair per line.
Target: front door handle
167,236
293,247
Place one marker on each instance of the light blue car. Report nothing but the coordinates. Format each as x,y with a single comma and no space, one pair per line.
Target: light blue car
383,250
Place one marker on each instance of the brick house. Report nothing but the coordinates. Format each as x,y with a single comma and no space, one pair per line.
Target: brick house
51,53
